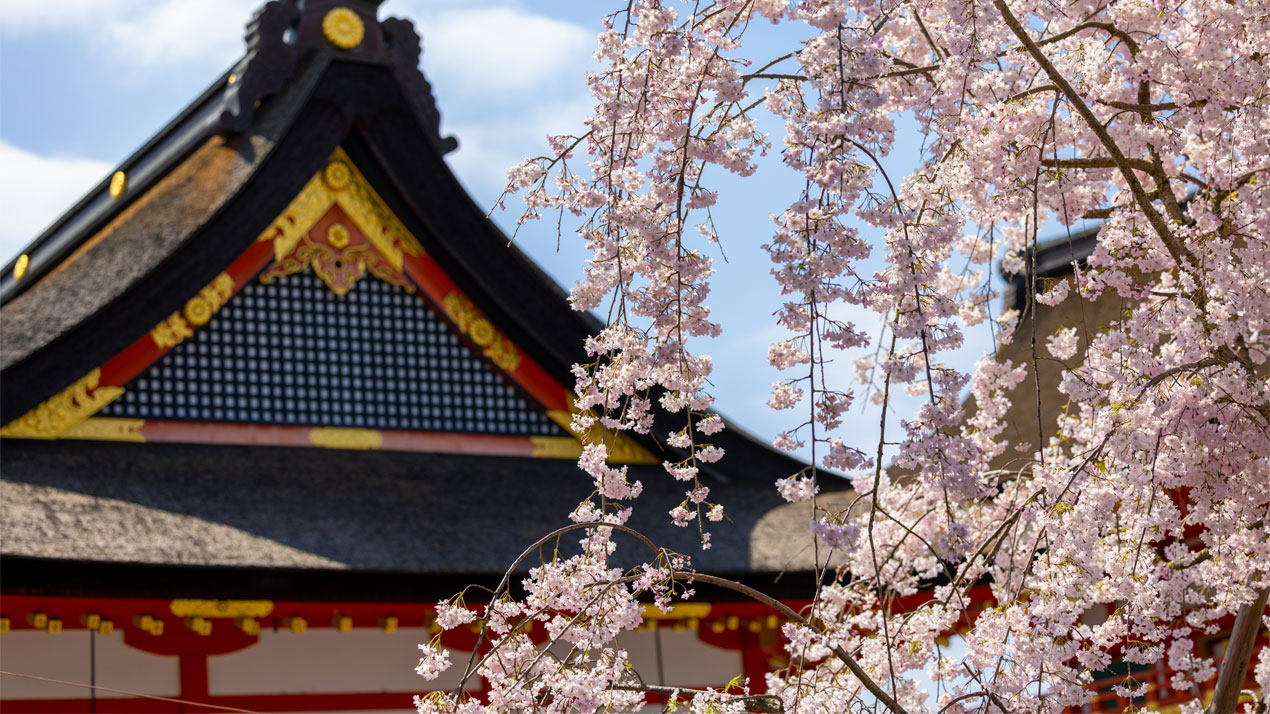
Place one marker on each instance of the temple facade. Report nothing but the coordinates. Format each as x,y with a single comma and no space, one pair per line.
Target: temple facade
278,385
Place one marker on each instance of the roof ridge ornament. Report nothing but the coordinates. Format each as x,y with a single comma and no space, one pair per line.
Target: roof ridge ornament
343,28
282,32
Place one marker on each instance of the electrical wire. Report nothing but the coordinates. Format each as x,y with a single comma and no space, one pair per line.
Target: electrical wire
131,694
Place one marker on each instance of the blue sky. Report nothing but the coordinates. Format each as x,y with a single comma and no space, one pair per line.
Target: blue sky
85,82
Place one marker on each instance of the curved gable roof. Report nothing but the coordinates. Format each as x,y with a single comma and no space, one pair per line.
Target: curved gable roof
106,274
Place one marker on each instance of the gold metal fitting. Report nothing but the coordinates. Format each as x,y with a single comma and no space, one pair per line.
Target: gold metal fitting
337,175
118,183
343,28
201,625
198,311
338,236
150,624
19,268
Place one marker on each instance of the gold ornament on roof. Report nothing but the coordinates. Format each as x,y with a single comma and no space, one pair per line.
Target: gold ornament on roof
197,311
375,242
19,268
108,429
338,236
481,332
343,28
118,183
473,323
64,411
337,175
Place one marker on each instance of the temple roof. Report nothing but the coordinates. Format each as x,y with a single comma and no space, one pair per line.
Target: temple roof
163,307
264,506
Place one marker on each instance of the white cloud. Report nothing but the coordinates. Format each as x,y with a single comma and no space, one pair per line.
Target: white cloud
35,190
501,49
504,78
490,144
26,17
176,32
140,37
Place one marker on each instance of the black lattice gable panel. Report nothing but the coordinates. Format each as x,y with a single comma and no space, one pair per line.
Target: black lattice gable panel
293,353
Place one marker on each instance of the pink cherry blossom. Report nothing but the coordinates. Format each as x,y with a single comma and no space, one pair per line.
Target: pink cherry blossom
1121,529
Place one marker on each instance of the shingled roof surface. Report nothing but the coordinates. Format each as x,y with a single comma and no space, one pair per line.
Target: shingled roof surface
314,508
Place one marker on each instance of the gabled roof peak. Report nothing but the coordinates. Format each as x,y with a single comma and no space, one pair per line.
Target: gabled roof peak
281,32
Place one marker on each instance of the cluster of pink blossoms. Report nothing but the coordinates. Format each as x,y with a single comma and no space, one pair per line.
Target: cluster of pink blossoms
1137,528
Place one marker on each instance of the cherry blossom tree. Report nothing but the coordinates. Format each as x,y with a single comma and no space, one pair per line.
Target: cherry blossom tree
1151,499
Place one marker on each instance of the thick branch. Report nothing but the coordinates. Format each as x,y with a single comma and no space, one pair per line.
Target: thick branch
1171,243
763,703
1160,107
772,75
1234,666
1095,163
1107,27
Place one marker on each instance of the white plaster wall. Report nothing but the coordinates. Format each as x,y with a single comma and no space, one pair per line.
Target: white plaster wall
324,661
65,656
686,660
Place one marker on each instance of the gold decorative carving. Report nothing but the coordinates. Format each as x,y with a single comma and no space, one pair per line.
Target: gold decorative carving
197,311
171,332
118,183
201,307
331,437
343,28
340,258
481,332
337,175
108,429
64,411
338,236
340,183
221,608
19,268
472,322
